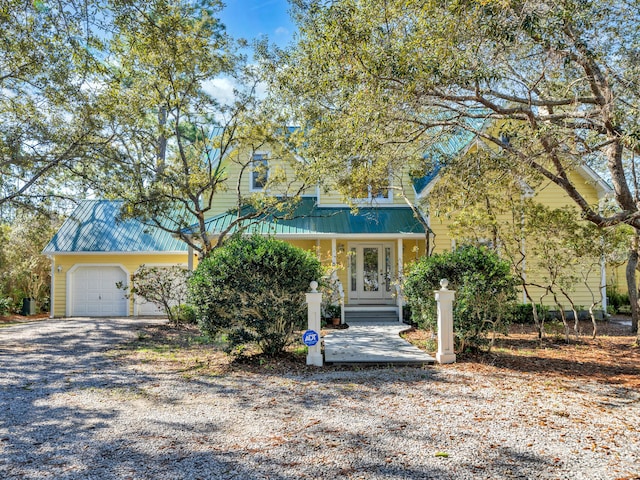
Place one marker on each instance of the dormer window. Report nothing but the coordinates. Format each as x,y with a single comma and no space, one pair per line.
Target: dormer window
259,171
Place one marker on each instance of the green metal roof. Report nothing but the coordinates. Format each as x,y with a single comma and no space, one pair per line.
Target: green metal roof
451,145
307,219
94,227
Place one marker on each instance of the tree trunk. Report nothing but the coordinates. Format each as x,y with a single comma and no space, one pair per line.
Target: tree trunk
632,263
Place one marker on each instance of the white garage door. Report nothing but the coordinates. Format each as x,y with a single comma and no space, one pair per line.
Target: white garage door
147,308
94,292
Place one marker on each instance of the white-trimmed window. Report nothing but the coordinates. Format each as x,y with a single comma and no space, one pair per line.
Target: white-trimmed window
370,193
259,171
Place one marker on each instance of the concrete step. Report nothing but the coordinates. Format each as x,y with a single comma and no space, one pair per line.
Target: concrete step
370,315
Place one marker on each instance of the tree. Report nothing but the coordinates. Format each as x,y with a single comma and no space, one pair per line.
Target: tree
49,125
24,271
252,289
165,287
562,78
173,140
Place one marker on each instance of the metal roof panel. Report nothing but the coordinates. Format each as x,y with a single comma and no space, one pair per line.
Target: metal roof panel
94,226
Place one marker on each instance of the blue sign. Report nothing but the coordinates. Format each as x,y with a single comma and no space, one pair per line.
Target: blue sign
310,338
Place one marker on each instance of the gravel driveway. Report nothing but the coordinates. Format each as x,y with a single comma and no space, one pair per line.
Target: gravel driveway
70,411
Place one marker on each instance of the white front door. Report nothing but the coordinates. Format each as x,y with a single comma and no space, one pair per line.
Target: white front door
371,272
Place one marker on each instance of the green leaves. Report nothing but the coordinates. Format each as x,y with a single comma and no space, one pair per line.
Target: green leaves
485,292
252,289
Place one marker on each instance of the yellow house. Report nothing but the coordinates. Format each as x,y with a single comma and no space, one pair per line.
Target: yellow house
369,248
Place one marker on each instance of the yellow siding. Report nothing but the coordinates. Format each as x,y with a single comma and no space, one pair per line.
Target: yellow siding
552,196
330,196
130,262
280,166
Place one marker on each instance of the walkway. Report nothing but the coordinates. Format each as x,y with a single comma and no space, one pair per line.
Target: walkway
373,343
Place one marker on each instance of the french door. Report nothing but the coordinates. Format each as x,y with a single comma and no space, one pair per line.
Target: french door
371,272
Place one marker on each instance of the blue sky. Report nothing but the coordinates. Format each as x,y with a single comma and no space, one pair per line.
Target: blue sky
250,19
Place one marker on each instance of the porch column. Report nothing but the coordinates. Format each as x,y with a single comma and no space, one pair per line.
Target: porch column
190,258
400,275
334,252
603,285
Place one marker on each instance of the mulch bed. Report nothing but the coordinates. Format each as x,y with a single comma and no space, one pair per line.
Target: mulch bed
11,319
613,357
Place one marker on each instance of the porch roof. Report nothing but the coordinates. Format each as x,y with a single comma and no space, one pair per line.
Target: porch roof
309,219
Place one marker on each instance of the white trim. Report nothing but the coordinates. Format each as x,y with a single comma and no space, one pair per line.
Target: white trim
603,189
52,293
349,236
69,296
366,204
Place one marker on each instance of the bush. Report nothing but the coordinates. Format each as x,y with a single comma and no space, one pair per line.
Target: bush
184,314
252,290
5,305
485,293
165,287
617,301
523,313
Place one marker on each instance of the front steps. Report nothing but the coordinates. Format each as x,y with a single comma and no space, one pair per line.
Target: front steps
359,314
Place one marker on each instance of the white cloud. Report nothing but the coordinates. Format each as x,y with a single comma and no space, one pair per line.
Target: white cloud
282,31
221,88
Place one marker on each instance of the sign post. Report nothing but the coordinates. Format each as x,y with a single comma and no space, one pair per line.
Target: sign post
311,337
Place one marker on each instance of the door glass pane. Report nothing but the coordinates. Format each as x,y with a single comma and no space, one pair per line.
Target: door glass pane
354,269
370,269
387,269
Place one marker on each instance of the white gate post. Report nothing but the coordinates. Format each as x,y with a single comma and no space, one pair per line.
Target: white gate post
314,299
444,299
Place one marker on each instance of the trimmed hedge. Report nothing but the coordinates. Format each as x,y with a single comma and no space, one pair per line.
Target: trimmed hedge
252,290
485,293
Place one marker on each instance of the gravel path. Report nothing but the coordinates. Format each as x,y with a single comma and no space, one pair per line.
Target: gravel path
69,411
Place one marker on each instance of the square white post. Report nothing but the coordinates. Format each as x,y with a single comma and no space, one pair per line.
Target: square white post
400,273
444,299
314,300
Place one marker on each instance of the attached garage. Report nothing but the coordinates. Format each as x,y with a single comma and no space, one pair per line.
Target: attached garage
94,292
95,249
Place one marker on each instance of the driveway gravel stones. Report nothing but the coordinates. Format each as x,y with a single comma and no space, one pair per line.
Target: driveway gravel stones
69,410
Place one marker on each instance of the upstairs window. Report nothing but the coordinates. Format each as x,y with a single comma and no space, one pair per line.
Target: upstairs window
367,192
259,171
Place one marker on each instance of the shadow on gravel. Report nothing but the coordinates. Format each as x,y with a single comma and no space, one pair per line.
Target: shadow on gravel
39,361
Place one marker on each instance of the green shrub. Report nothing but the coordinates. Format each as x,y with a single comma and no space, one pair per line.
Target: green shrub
523,313
617,301
252,290
5,305
485,293
184,314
